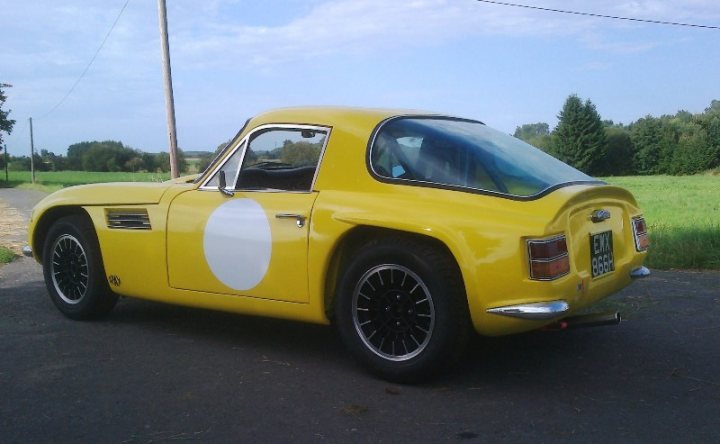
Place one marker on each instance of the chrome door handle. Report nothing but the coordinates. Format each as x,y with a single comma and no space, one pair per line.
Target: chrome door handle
299,218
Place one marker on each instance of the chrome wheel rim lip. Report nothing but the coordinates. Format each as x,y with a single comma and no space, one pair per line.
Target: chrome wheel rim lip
69,269
393,312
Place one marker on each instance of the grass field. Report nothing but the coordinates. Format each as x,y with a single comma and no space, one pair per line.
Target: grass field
54,180
682,212
683,216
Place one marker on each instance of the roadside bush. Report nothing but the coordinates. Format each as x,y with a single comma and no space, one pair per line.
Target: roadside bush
6,256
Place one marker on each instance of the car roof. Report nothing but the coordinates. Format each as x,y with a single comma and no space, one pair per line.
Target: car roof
332,115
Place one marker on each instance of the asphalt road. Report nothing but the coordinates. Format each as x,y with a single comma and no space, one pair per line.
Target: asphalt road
158,373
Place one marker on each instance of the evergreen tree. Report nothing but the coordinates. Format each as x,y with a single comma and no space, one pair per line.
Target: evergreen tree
579,137
619,152
646,135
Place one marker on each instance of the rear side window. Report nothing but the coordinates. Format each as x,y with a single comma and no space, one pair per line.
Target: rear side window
465,154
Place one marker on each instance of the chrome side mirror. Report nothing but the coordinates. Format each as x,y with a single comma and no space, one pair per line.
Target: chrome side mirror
222,184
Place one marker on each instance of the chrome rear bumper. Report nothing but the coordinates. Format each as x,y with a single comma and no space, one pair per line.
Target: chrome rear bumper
535,311
551,309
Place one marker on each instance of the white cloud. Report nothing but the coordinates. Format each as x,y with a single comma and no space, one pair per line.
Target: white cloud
701,11
359,27
47,44
601,43
206,37
215,33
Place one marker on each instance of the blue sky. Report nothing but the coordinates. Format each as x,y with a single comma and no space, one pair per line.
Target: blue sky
232,59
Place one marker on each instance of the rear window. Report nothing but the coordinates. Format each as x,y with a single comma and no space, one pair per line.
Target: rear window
465,154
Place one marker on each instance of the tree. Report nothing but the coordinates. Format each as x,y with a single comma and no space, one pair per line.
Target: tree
162,161
75,153
531,130
135,164
21,163
300,153
714,108
108,155
693,153
536,134
710,122
6,124
579,137
205,159
682,143
646,135
619,152
51,161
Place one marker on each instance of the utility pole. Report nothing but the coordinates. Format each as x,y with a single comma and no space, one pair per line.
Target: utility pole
167,77
7,180
32,153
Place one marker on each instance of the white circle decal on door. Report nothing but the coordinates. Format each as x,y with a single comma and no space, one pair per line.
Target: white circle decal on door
238,244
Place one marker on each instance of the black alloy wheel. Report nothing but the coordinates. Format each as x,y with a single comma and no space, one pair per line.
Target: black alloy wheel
73,269
393,312
69,269
400,308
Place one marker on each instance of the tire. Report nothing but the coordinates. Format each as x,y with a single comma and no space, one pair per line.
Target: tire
73,269
401,309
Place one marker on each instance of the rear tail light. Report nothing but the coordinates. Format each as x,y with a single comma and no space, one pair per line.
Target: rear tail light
642,242
548,258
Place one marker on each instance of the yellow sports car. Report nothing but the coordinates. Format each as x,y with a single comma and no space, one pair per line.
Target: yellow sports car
406,230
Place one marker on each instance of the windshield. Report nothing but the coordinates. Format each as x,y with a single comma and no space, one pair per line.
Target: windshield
466,154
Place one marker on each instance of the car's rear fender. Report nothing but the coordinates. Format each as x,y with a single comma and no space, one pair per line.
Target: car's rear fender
486,237
337,229
354,239
570,213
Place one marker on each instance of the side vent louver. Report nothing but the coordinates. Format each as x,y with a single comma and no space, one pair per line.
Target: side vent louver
134,219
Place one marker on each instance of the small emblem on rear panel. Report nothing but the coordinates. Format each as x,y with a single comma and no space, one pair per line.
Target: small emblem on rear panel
599,215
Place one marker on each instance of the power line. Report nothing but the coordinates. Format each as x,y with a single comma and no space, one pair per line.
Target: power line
90,63
590,14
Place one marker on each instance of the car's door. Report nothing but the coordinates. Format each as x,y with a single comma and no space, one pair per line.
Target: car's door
250,237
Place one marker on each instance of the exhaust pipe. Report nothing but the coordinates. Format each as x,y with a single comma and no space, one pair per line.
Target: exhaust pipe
586,320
